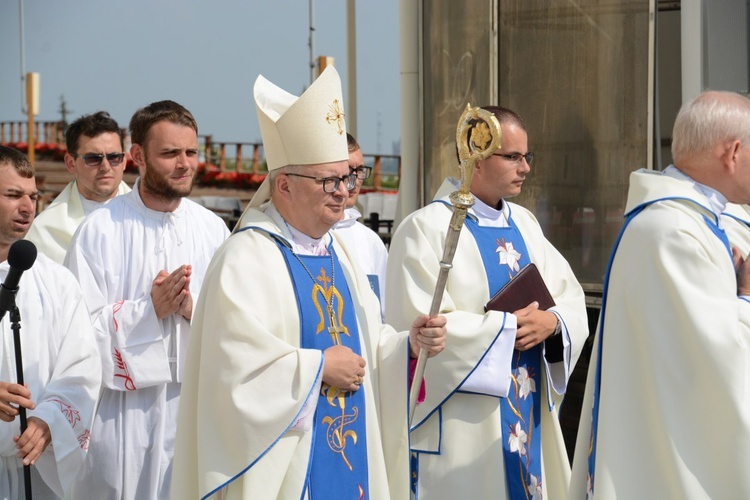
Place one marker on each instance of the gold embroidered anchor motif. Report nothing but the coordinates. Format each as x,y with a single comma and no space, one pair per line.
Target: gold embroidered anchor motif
329,292
337,434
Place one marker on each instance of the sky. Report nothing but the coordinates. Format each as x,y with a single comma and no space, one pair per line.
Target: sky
119,56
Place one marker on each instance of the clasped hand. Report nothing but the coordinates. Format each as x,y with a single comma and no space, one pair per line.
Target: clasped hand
170,293
533,326
343,368
742,268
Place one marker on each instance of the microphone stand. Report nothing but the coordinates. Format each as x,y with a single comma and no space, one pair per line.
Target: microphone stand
15,319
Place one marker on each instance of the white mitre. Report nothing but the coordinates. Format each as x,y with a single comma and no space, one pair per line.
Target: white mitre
305,130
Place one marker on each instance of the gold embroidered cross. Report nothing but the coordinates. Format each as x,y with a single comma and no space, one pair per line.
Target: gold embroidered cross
336,114
324,279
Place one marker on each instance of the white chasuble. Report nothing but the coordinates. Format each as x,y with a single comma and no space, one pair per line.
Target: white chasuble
672,350
247,379
458,435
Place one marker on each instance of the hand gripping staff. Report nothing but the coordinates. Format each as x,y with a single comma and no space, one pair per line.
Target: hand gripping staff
478,136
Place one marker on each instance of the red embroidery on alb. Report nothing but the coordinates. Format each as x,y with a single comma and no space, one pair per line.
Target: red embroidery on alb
84,439
120,363
115,309
70,413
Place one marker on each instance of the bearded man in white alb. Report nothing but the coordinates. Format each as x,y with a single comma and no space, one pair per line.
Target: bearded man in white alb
666,412
97,159
61,368
141,260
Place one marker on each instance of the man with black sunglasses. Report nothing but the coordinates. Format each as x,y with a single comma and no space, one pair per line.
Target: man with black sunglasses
488,427
364,243
97,160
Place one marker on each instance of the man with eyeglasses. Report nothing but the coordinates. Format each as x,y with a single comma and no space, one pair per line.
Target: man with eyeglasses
95,157
294,388
488,427
141,260
368,248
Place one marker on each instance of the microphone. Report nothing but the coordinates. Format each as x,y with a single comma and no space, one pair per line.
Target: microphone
21,257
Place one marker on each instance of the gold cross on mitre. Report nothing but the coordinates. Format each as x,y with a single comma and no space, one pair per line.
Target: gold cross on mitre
336,114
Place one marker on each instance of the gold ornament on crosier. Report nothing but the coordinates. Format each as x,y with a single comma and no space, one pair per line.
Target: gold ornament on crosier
478,136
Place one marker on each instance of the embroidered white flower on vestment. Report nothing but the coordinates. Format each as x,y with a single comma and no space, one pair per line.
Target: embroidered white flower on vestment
508,255
517,440
526,384
535,488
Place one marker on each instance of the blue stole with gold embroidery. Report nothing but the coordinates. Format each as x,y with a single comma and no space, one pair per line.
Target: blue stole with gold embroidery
339,450
504,253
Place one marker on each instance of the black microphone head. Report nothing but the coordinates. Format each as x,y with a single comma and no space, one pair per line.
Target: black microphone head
22,255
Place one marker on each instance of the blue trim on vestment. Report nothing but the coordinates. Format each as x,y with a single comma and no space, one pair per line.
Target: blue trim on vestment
427,417
502,327
741,221
294,420
629,217
296,417
440,436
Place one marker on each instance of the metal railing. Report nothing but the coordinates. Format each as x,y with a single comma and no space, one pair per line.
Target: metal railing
219,155
242,157
44,132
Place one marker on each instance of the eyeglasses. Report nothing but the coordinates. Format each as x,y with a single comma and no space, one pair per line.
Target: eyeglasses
363,172
331,184
94,160
516,157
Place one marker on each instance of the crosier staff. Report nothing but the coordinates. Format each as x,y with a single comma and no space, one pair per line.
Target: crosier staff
478,136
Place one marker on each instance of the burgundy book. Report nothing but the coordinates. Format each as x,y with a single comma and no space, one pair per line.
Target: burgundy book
524,288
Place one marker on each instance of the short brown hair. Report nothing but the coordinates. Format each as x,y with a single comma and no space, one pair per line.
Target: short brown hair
505,115
351,143
160,111
17,160
92,126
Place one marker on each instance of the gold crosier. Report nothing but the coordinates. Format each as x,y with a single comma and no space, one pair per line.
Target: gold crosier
478,136
337,433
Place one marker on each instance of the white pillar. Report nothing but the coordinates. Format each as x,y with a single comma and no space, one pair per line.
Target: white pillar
411,122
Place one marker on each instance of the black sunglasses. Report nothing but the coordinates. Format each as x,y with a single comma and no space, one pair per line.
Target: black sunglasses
94,160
